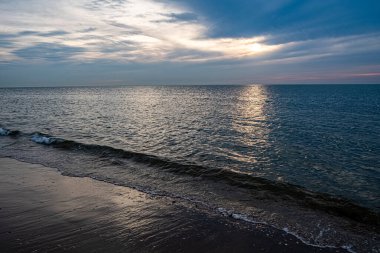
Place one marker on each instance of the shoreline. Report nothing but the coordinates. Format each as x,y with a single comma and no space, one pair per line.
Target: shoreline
43,210
334,204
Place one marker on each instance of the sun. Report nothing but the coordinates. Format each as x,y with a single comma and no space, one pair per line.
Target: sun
256,47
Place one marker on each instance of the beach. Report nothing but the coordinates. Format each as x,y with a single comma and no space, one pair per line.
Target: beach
44,211
189,126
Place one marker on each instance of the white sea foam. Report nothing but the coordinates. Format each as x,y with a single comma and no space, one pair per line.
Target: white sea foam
243,217
239,216
307,242
37,138
348,248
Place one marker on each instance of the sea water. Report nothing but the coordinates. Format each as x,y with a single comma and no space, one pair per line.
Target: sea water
206,144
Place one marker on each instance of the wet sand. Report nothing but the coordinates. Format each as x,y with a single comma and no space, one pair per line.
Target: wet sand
44,211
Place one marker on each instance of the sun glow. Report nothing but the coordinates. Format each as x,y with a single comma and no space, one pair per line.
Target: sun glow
256,47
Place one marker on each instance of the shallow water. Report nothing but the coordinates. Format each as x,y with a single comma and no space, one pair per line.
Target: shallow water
42,211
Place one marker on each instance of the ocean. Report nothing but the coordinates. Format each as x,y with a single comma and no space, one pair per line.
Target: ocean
242,151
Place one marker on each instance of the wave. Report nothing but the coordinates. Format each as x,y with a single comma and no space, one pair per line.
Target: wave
44,139
7,132
320,201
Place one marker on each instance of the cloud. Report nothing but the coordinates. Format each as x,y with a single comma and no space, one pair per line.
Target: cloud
180,17
234,41
288,20
18,34
134,30
87,30
5,44
306,50
195,31
48,51
53,33
26,33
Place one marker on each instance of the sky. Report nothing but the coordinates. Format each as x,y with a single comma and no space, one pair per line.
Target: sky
132,42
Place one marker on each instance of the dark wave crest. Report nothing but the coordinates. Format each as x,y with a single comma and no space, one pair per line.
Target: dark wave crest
272,189
7,132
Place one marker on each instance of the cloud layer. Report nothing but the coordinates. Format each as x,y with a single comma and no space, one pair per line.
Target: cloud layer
222,41
133,30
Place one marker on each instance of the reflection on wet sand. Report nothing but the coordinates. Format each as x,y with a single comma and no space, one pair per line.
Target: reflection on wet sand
44,211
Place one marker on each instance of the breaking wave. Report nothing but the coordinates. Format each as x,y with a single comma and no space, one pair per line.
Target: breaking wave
320,201
7,132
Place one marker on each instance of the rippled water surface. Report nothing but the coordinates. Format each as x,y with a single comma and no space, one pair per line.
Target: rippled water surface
324,138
